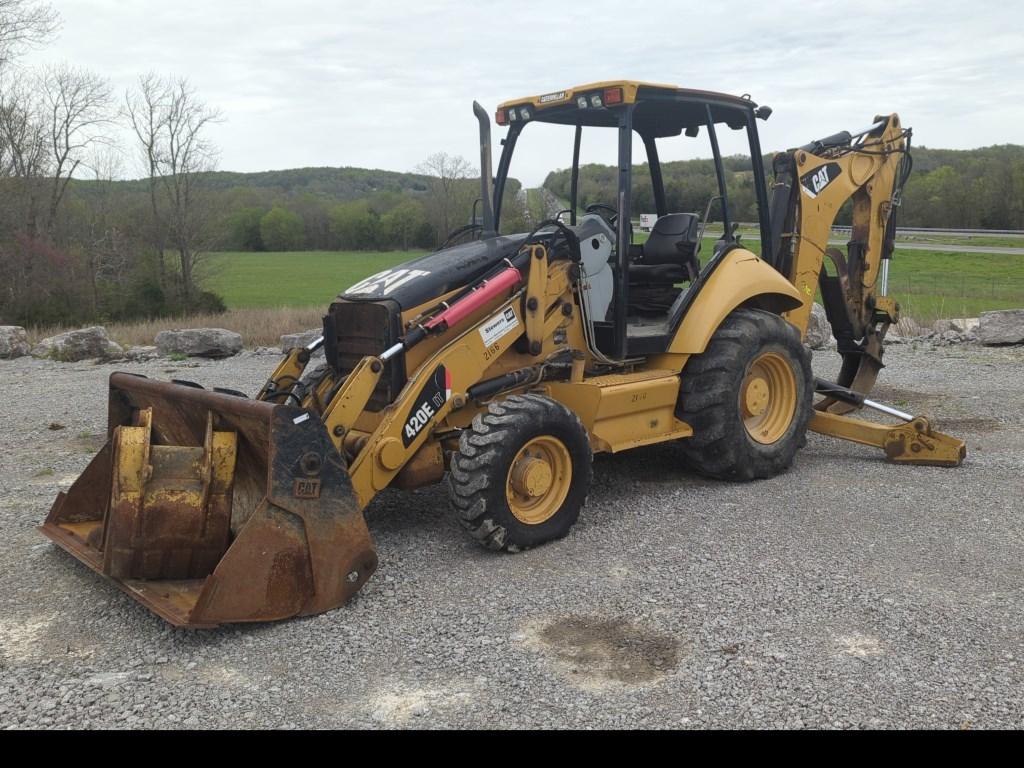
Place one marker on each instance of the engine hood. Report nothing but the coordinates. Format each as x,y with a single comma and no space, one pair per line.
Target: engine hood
420,280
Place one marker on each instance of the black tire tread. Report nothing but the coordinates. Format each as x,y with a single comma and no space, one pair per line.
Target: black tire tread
478,466
720,447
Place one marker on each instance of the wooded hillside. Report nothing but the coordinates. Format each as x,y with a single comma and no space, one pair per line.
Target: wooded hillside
959,189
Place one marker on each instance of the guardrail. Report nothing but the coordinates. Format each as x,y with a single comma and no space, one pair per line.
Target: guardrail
946,232
845,228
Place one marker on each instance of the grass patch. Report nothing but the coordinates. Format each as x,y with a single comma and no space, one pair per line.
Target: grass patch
270,294
928,284
300,279
45,472
935,284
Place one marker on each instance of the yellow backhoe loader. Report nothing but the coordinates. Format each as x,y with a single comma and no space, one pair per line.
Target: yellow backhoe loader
506,361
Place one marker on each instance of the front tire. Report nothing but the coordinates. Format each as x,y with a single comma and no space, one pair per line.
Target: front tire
521,474
748,397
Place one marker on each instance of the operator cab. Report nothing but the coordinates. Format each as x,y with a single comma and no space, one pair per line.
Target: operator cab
636,290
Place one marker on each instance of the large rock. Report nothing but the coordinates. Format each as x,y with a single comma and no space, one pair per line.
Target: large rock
83,344
945,326
907,327
141,354
292,340
199,342
819,331
1003,327
13,342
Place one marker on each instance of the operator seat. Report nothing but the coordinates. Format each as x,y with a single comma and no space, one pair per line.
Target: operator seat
670,253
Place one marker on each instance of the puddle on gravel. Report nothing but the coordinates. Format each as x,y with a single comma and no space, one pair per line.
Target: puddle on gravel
597,651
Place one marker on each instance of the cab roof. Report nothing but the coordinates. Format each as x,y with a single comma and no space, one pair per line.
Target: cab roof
660,109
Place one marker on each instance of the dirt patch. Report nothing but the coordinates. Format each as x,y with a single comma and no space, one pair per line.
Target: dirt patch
969,425
613,650
901,397
87,442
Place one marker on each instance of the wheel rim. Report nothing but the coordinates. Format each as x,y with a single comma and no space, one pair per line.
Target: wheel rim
538,480
768,398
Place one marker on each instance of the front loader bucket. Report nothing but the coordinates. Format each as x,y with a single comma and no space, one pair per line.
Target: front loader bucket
211,508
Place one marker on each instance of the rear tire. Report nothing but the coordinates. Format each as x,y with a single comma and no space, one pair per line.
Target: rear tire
748,397
522,473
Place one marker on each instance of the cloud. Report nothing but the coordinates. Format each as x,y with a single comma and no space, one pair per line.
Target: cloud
384,85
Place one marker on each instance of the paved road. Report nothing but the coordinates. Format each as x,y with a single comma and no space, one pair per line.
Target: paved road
947,248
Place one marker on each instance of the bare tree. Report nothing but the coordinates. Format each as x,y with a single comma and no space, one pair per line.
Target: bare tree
188,153
105,247
448,195
146,109
77,105
24,23
171,124
24,158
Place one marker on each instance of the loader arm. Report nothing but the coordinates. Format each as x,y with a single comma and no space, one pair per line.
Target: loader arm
446,381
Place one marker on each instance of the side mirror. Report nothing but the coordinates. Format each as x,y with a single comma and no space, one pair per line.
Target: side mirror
763,112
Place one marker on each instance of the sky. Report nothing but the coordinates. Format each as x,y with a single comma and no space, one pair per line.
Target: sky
385,84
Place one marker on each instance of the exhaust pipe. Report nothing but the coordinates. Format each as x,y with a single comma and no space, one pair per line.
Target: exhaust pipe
486,180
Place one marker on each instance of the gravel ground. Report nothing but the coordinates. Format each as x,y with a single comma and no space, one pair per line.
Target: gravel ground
847,593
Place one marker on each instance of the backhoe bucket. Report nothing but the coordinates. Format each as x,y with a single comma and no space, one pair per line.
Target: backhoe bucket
211,508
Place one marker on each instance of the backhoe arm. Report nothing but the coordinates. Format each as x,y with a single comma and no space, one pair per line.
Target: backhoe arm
818,179
913,441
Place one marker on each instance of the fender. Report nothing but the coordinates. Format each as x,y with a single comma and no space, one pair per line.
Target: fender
741,279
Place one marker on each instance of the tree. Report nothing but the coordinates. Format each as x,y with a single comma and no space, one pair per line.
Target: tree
24,23
171,124
354,226
146,111
401,224
77,107
449,197
23,153
105,245
244,228
281,230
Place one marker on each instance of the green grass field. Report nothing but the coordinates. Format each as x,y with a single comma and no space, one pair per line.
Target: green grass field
295,279
928,284
934,284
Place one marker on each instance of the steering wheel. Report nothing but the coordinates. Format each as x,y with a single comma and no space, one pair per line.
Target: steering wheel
599,207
